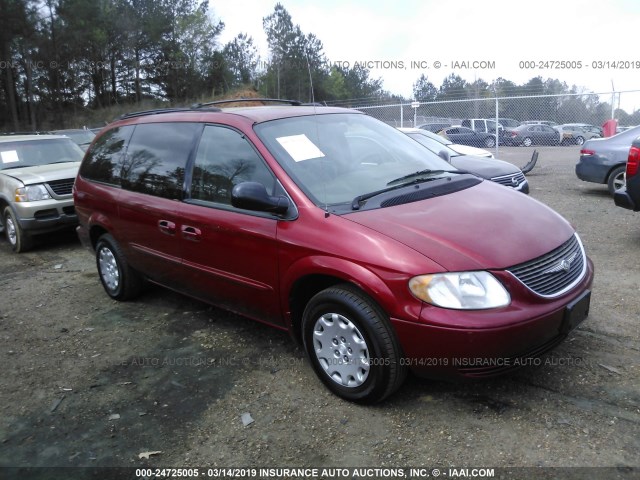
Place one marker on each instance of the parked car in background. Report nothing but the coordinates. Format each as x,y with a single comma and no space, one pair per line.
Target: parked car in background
539,122
501,172
80,136
461,149
629,195
604,160
508,122
338,228
588,127
36,177
434,127
531,134
485,125
466,136
574,134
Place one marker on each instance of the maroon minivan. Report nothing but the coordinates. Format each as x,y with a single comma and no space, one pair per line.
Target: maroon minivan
369,249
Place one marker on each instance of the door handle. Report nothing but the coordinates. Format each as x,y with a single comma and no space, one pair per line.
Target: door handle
167,227
191,233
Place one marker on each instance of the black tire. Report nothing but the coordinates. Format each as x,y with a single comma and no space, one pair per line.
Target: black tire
119,280
19,240
616,179
579,140
363,361
489,142
526,141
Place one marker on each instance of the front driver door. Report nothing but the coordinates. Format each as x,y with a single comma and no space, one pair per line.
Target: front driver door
229,255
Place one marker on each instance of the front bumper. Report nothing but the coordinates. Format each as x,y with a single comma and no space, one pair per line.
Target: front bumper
45,216
528,329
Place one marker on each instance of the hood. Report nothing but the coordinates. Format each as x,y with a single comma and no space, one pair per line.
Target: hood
43,173
484,167
483,227
467,150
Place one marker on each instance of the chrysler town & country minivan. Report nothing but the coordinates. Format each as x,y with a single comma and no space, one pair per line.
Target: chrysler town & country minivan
373,252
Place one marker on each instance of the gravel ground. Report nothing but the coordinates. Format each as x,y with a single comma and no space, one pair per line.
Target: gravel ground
87,381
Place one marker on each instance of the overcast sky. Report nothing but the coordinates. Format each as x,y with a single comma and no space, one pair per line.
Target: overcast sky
501,33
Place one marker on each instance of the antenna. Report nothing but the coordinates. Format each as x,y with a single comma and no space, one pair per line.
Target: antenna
313,102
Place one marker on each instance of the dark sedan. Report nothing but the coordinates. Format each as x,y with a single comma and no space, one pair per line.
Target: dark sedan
528,135
466,136
629,197
498,171
603,160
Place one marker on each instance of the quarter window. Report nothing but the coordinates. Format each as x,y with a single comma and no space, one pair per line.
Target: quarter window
103,162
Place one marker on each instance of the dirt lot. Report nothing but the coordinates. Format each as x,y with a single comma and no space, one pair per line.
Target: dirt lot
87,381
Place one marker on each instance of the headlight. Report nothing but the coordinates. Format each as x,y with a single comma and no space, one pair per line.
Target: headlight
32,193
462,291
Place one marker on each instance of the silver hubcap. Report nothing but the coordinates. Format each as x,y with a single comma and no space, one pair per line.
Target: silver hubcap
109,269
341,350
527,142
619,181
12,235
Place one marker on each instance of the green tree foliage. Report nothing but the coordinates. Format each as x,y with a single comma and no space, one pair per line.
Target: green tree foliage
60,57
242,59
424,90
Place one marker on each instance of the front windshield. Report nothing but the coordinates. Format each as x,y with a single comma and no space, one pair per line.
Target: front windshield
82,137
432,144
38,151
337,157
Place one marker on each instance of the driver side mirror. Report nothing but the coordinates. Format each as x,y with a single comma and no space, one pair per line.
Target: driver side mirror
254,196
444,155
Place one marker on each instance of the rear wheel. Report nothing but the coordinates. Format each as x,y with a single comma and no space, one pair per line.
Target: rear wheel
617,179
351,345
579,140
19,240
526,141
119,280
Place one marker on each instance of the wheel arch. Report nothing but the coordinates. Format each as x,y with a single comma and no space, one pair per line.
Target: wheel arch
312,275
612,169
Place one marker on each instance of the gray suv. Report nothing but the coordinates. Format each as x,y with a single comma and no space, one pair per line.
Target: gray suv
36,178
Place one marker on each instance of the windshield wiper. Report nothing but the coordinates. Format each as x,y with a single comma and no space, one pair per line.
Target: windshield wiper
355,204
419,173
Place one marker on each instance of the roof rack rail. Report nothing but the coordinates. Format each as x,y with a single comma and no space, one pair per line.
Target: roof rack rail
238,100
157,111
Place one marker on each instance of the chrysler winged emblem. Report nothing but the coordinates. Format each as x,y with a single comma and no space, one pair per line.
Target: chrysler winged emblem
562,265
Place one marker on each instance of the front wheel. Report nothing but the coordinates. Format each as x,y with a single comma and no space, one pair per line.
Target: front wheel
119,280
351,345
579,140
617,179
19,240
489,142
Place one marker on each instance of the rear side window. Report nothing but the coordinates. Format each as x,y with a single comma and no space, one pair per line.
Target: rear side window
103,162
156,158
224,159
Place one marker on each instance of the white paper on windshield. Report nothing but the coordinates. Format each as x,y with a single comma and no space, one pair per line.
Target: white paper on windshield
300,147
10,156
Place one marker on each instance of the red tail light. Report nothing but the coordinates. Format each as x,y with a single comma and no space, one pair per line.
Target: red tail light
633,161
586,151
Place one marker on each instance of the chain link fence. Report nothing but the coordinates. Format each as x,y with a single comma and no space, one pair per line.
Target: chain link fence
593,109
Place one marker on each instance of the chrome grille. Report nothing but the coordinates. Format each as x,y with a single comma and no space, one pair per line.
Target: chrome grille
62,187
513,180
556,272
